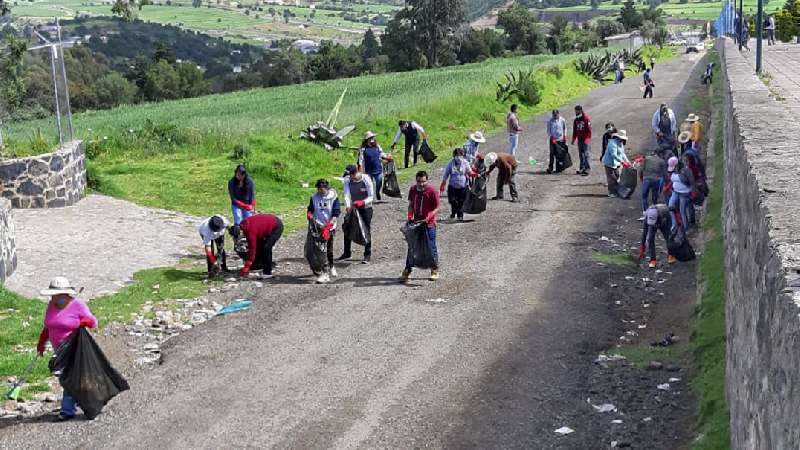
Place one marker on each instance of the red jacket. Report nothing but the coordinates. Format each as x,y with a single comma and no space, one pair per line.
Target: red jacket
582,129
422,203
256,228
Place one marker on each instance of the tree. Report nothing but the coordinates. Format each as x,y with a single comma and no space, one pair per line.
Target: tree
164,53
114,90
163,82
788,20
477,45
370,46
399,45
519,24
630,18
12,84
192,83
606,26
430,26
648,30
127,8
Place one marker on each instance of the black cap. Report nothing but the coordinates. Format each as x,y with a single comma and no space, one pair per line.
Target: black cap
216,224
349,170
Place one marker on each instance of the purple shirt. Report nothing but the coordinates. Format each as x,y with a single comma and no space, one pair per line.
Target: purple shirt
60,323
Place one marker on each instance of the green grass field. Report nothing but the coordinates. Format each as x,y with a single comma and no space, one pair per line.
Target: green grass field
691,10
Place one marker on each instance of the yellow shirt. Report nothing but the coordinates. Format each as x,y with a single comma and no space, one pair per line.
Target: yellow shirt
697,131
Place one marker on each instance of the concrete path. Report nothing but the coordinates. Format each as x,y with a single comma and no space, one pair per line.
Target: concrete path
98,244
782,63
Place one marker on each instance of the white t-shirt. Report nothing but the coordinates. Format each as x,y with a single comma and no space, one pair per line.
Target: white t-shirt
209,236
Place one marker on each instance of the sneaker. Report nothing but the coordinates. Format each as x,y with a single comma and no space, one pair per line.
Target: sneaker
405,276
344,257
671,259
514,200
267,276
652,264
365,260
585,173
578,172
323,278
613,195
641,219
334,273
63,417
434,275
497,198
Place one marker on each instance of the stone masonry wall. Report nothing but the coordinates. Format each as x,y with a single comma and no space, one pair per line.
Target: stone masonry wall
762,225
8,241
53,180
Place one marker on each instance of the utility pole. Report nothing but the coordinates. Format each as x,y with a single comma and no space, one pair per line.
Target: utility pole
741,24
66,82
759,33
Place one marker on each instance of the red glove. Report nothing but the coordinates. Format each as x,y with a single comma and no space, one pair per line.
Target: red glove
695,195
87,322
241,204
326,231
552,140
249,207
430,218
626,164
442,186
411,215
359,203
42,341
210,256
641,251
310,216
245,271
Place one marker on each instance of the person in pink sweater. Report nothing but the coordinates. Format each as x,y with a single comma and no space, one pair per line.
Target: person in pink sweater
65,314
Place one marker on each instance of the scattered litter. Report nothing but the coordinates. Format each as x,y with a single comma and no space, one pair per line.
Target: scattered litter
663,387
618,302
646,305
230,279
240,305
304,184
655,365
666,341
436,300
604,408
642,327
659,271
647,419
646,280
616,421
629,278
614,285
608,358
674,380
603,238
565,430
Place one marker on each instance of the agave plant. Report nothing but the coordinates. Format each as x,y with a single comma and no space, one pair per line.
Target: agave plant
521,85
325,133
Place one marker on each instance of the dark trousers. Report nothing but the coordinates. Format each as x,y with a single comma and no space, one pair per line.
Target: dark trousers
551,165
584,150
648,90
329,244
218,249
512,184
612,179
377,183
456,197
651,190
366,216
409,146
649,236
265,245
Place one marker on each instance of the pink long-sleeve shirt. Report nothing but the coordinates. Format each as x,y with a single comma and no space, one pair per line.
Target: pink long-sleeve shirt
60,323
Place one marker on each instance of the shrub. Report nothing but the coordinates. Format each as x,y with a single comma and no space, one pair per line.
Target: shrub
240,153
554,70
39,144
521,86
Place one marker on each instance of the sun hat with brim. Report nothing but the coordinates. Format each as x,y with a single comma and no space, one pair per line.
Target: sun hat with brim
684,137
652,216
369,135
620,134
672,164
490,158
692,118
59,285
477,137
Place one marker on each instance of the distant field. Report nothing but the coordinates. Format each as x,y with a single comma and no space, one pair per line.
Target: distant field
691,10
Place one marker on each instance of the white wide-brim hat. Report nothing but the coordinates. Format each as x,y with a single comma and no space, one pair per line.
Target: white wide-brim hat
369,135
693,118
477,137
684,137
620,134
59,285
490,158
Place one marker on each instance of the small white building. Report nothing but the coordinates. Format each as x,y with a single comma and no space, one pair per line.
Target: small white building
306,46
631,41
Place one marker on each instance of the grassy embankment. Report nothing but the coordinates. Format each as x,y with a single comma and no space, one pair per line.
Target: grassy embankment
691,10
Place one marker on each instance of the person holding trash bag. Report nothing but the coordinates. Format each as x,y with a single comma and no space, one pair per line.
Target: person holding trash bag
664,125
358,194
506,165
414,134
64,315
682,186
370,161
423,205
242,191
261,232
557,132
651,172
212,232
613,159
323,213
657,218
474,140
456,180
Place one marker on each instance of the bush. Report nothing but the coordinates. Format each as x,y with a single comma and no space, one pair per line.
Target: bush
521,86
240,153
554,70
39,144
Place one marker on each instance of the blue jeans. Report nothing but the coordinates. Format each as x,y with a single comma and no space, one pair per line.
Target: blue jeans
67,405
583,153
240,214
377,184
650,191
513,142
684,203
434,250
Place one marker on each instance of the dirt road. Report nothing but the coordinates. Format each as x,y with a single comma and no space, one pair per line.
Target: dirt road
497,354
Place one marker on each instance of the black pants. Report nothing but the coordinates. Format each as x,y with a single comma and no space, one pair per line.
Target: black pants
218,249
366,216
512,184
551,165
456,197
649,236
265,245
648,90
330,250
409,146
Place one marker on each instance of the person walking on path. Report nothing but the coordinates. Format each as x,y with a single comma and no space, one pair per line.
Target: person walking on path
414,135
657,219
582,133
613,159
514,130
474,140
771,29
652,62
262,232
370,161
664,126
557,132
212,232
242,191
648,83
358,193
746,35
324,211
65,313
456,181
423,205
506,166
652,172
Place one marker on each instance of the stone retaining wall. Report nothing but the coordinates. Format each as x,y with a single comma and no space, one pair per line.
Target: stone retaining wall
762,222
53,180
8,241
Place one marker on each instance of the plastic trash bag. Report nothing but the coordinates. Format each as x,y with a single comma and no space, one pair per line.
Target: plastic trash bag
679,245
563,158
475,202
242,305
315,249
426,152
391,188
627,182
354,228
419,246
85,373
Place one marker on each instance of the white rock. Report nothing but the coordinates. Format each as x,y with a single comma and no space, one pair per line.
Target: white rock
663,387
565,430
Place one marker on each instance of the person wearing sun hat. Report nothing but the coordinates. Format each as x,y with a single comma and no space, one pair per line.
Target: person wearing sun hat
657,218
614,158
474,140
696,129
65,313
684,139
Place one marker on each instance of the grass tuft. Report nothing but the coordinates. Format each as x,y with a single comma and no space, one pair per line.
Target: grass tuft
619,259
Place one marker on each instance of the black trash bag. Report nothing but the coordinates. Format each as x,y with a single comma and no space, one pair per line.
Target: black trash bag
679,245
563,158
427,154
627,182
354,228
475,202
315,249
391,188
85,373
419,246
